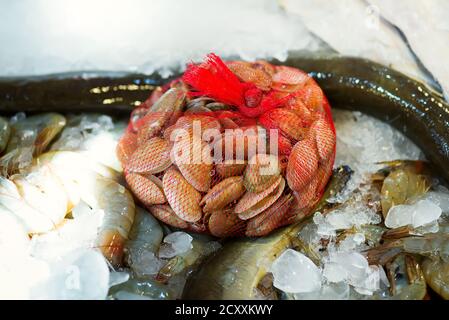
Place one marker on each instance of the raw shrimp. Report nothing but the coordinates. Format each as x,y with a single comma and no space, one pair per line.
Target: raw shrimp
433,247
143,242
201,248
119,210
414,286
45,192
405,182
145,234
18,204
30,136
57,182
436,273
94,135
75,172
96,185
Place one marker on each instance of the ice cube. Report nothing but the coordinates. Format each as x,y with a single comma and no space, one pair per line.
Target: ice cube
79,275
354,263
78,233
339,220
370,283
105,122
352,268
440,197
117,277
418,214
293,272
145,232
19,273
146,263
313,295
335,291
177,243
324,227
353,213
398,216
432,227
71,139
334,272
425,212
352,242
329,291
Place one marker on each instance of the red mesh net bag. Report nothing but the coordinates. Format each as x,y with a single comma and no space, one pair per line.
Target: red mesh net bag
231,148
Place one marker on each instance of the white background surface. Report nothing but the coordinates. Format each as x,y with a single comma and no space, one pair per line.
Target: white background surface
48,36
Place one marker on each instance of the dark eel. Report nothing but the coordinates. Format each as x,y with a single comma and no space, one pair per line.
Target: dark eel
351,83
106,92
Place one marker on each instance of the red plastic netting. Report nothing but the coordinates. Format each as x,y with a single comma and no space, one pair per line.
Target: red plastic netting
231,149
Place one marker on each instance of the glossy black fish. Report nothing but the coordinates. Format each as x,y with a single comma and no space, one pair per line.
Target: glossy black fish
354,83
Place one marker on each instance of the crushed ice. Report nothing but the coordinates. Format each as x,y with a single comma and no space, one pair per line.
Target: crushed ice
362,142
344,272
294,272
175,243
62,264
418,214
94,135
354,213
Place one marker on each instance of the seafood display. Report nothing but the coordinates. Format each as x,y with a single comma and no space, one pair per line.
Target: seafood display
379,237
252,152
239,267
70,222
88,212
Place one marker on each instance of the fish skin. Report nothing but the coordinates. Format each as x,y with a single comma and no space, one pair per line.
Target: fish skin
429,41
349,28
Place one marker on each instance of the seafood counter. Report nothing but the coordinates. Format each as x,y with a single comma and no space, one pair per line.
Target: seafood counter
94,206
70,195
